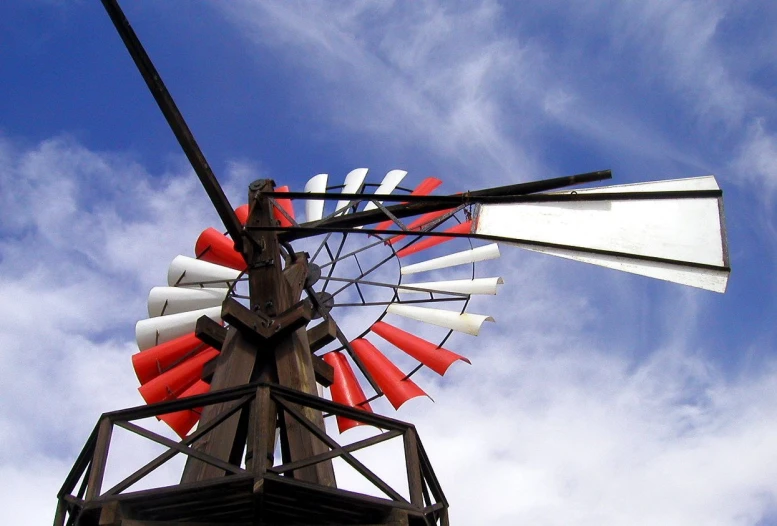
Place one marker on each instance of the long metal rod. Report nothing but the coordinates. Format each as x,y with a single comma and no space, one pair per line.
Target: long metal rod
176,122
401,302
399,288
434,204
499,197
358,250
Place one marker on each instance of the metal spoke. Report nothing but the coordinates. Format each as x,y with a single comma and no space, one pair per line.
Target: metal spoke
363,274
392,302
398,288
357,251
334,263
321,247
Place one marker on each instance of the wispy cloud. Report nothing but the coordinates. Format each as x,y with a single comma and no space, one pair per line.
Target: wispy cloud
409,77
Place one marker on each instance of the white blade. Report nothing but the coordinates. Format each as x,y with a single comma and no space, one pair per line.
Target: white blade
679,239
154,331
353,182
174,300
708,279
467,323
189,271
451,260
314,209
706,182
459,286
387,185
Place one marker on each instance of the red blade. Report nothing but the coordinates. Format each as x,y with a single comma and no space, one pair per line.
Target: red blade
287,207
345,389
462,228
214,247
183,421
171,384
425,188
389,378
152,362
435,358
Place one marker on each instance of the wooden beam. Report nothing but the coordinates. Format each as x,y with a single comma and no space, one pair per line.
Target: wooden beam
325,373
233,368
322,334
99,459
273,291
210,332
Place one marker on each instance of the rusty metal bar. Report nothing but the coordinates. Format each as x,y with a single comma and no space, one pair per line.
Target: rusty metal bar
176,122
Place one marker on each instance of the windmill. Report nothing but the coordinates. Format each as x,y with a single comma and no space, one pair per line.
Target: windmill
243,333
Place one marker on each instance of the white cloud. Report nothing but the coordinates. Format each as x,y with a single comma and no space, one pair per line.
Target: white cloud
401,73
573,411
757,160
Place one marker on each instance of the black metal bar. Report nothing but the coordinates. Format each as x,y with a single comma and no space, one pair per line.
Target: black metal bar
435,203
518,241
498,197
176,122
334,259
357,251
363,274
401,302
355,357
399,287
320,248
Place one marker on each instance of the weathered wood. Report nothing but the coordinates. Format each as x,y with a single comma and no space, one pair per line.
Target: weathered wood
133,522
111,515
234,367
395,518
210,332
263,328
414,480
273,291
325,373
97,468
259,447
167,455
355,446
346,456
322,334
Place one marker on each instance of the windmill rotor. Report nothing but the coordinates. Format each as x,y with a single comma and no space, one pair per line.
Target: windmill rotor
174,310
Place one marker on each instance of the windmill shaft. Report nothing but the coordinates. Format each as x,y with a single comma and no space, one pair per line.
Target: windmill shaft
175,120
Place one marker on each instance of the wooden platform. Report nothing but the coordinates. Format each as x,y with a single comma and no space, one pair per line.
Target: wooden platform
255,493
232,500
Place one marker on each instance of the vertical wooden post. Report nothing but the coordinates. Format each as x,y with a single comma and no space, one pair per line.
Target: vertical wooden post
260,447
272,291
233,368
100,458
414,480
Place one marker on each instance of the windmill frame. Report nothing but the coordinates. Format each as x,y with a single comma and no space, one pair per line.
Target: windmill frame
258,490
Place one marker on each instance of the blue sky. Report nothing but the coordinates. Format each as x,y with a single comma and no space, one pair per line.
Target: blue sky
596,398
